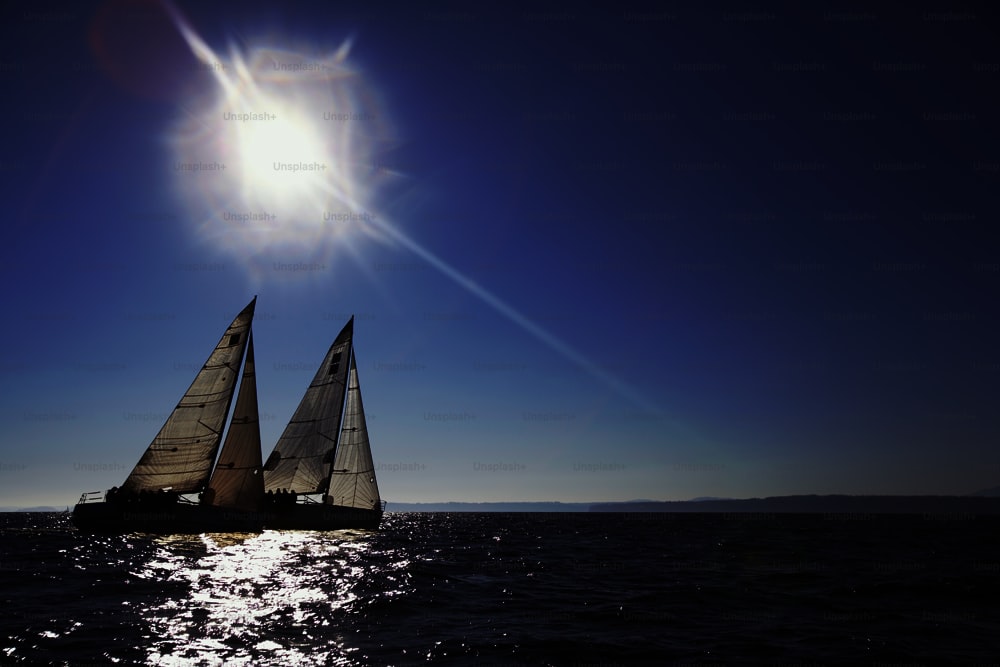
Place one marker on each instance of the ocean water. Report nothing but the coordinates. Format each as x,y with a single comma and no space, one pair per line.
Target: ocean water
510,589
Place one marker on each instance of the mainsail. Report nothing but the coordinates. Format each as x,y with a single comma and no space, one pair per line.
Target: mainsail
302,459
352,483
182,453
238,480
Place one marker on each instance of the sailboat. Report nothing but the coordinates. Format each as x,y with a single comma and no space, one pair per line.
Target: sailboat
320,475
181,459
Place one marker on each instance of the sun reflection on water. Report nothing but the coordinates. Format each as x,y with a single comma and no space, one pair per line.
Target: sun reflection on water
273,598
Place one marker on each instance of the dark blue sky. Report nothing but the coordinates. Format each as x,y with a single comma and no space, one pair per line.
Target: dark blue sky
726,251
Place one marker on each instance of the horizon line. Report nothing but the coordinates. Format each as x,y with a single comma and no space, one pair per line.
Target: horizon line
696,499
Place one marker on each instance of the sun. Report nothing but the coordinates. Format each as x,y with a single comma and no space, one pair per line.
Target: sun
277,158
280,153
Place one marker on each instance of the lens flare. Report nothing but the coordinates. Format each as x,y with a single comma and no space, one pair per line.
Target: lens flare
280,156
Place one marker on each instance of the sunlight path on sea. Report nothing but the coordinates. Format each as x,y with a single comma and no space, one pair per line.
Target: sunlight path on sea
271,598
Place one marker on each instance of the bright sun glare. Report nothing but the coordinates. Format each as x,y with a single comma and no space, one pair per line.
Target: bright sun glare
282,158
270,153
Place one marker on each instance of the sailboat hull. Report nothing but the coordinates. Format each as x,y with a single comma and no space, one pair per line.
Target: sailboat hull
178,518
321,516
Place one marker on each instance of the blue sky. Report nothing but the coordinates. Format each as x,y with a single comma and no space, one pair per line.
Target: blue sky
735,252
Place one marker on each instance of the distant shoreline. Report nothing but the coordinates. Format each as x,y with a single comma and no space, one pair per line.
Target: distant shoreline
832,504
805,504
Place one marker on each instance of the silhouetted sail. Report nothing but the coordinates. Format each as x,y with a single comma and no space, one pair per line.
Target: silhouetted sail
182,453
302,458
352,482
238,480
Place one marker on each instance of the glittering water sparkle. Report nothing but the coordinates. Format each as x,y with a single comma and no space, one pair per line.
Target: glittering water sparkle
243,585
502,589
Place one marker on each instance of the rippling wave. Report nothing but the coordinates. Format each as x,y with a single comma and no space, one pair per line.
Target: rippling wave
506,589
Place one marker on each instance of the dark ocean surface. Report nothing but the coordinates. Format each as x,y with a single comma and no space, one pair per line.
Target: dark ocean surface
510,589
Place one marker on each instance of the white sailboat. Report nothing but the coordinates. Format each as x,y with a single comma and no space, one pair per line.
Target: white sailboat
321,475
181,458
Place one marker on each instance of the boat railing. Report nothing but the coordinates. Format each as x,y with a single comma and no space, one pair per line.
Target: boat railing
385,503
92,497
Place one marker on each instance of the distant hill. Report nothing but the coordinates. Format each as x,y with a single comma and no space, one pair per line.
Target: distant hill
835,504
988,493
